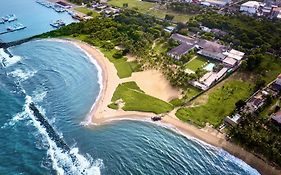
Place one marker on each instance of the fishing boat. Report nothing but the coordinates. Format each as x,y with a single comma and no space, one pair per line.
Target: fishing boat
57,24
5,19
11,17
16,27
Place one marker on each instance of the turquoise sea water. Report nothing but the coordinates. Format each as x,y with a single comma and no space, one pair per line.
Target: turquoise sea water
59,78
34,16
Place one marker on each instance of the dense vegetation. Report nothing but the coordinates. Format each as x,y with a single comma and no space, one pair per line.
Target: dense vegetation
258,38
131,98
259,135
186,8
136,34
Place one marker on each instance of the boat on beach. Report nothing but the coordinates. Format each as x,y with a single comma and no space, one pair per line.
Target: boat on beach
57,24
156,118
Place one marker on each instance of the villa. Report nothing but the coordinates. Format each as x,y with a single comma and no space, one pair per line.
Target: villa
213,52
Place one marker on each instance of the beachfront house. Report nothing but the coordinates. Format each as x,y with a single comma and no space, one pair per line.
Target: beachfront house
232,120
209,79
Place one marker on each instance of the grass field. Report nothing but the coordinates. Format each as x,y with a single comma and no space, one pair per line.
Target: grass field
141,6
221,102
271,68
87,11
196,63
124,68
136,100
149,8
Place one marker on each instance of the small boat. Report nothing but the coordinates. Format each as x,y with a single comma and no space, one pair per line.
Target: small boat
155,118
2,21
16,27
11,17
58,24
5,19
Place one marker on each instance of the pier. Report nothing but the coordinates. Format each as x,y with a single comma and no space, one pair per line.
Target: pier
14,43
8,31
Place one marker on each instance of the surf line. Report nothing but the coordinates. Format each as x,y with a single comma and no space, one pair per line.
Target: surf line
52,133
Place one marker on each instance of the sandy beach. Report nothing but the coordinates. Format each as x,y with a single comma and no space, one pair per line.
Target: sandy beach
102,114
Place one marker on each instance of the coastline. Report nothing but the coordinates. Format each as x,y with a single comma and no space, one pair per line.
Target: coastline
101,114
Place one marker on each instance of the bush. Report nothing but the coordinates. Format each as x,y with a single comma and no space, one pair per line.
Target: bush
118,54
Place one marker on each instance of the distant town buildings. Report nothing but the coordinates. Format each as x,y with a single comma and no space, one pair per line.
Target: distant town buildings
251,7
267,9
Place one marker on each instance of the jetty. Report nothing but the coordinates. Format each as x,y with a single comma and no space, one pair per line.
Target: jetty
53,134
51,131
13,28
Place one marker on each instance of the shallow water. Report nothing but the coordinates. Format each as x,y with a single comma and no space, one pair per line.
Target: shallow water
59,78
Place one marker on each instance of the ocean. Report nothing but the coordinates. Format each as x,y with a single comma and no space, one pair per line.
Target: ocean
63,83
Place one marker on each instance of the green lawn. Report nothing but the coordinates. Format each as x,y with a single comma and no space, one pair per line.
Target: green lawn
190,92
271,68
141,6
221,102
148,8
86,11
196,63
136,100
124,68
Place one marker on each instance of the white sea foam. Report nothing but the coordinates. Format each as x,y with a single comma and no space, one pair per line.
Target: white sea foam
18,117
38,96
22,75
62,162
7,60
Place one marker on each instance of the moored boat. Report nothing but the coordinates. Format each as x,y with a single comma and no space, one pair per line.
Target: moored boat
16,27
57,24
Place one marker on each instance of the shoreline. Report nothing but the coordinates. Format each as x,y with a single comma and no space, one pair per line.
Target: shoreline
101,114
